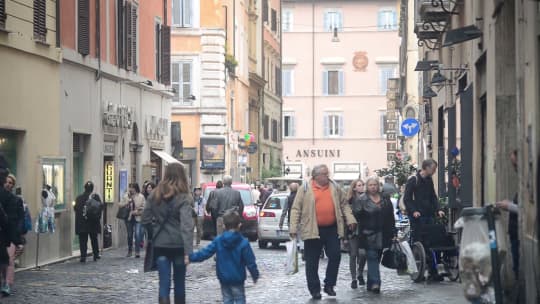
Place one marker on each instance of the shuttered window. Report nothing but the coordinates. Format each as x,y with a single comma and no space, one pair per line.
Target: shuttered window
287,82
40,18
386,71
182,13
157,50
333,124
131,17
275,130
266,127
265,11
120,35
166,55
83,27
182,79
387,20
2,14
333,82
274,20
289,128
333,19
278,81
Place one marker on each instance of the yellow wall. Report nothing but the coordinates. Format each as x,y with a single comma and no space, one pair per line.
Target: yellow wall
190,129
213,14
190,44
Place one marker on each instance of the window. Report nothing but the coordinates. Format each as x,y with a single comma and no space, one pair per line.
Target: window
333,82
83,27
2,14
274,21
40,18
287,82
333,124
333,19
277,79
127,35
287,21
275,132
382,123
163,53
182,11
289,128
386,72
266,126
387,20
182,81
265,11
53,176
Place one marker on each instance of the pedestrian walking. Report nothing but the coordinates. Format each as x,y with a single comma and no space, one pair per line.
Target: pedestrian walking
211,204
87,221
169,223
16,217
357,254
376,228
422,204
199,211
322,212
135,201
147,189
6,228
226,199
233,256
293,187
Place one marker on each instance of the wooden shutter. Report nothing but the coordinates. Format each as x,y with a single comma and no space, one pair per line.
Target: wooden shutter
325,82
327,23
120,35
2,13
166,55
129,37
340,119
133,45
186,81
187,13
278,81
265,11
341,83
292,126
339,24
326,128
40,18
274,20
83,27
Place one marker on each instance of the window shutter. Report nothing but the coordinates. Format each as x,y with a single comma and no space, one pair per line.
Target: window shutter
325,82
339,17
134,36
291,82
166,55
265,11
129,37
327,25
380,20
2,13
341,83
83,27
40,18
175,75
326,125
394,20
176,12
187,11
120,35
340,119
186,80
292,128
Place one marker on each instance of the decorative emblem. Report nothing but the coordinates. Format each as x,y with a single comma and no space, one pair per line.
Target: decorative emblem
360,61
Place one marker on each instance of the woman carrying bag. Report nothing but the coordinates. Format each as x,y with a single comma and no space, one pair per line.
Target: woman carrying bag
134,202
357,255
376,228
168,219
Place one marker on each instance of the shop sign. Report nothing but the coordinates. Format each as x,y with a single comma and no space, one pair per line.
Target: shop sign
315,153
352,167
156,127
109,182
118,116
213,153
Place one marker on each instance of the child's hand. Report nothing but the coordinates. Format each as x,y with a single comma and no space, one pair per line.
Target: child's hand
186,260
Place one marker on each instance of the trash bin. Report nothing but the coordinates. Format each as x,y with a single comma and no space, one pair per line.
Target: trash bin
480,249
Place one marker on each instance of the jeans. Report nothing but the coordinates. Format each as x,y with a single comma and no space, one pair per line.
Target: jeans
416,227
329,240
83,243
373,273
233,294
357,258
134,227
164,265
220,227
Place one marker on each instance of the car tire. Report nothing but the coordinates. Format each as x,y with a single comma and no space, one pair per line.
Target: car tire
275,245
252,238
263,244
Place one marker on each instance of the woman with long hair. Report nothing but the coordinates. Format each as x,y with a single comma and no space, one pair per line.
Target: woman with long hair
376,228
169,222
357,255
135,202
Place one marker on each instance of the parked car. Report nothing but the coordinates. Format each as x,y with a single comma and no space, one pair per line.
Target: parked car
269,217
249,224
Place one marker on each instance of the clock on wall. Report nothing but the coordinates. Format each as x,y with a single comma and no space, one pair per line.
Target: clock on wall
360,61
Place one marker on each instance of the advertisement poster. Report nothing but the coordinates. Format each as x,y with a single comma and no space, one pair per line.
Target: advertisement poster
123,184
212,153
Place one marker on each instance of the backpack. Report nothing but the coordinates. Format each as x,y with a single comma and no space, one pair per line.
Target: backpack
92,209
401,203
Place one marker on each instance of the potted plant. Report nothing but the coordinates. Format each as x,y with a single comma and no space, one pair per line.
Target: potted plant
230,64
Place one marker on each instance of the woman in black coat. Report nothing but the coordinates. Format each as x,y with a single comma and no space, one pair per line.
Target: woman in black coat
376,228
85,226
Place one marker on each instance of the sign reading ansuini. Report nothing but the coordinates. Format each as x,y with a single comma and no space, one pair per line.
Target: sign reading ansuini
318,153
213,153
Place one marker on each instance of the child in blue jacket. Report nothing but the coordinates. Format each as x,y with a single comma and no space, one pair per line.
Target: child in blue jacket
234,255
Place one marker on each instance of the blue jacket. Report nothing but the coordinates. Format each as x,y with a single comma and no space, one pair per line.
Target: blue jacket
234,255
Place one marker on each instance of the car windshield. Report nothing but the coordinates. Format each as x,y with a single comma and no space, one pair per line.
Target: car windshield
276,203
244,193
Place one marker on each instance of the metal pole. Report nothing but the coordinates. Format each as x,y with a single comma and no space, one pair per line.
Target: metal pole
496,274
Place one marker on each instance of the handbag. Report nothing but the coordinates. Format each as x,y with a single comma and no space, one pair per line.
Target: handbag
394,258
123,213
149,260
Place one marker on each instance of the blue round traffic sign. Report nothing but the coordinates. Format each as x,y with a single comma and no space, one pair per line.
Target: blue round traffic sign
410,127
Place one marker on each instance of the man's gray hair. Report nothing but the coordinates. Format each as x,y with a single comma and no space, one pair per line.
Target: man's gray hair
227,180
317,170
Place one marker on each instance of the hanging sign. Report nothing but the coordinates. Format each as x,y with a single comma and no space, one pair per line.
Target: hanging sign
109,182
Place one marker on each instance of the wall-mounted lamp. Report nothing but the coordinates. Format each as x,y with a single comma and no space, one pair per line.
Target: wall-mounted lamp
429,93
438,78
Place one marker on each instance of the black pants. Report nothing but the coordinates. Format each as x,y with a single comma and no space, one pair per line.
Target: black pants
83,243
329,240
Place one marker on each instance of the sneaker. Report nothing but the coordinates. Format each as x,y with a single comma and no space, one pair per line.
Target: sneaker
6,291
137,255
376,288
354,284
435,278
329,290
316,296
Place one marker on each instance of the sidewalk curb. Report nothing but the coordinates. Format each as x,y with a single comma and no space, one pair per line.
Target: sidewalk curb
57,261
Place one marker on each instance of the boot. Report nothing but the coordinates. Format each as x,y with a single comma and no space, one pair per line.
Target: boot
181,300
166,300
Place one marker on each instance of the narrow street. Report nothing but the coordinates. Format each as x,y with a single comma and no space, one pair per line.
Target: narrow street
115,279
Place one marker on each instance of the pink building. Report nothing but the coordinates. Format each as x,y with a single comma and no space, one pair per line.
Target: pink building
337,57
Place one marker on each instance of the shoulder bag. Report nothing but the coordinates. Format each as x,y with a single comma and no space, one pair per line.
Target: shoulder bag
149,259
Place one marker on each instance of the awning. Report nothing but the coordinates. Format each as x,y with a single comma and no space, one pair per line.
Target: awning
346,176
166,157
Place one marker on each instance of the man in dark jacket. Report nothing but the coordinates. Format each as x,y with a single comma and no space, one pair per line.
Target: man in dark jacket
422,203
293,187
227,199
86,226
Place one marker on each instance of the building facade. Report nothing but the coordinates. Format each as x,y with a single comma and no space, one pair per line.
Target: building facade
335,83
479,70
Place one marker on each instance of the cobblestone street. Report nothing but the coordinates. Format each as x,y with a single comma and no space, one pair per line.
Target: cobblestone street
116,279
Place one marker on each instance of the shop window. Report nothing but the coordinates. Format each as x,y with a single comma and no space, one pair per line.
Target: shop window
53,171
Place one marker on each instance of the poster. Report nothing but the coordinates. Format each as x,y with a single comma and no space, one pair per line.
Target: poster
213,153
123,184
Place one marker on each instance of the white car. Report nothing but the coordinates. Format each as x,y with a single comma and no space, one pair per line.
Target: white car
269,216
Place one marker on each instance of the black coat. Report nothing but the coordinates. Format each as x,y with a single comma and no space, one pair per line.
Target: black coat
14,213
83,225
420,196
374,220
